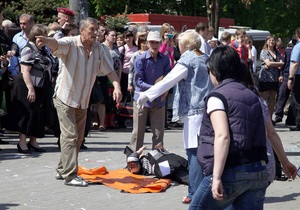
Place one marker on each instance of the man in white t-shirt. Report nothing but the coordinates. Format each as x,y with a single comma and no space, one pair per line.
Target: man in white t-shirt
202,30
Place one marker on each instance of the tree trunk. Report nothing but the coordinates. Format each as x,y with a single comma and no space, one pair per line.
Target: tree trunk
217,18
213,12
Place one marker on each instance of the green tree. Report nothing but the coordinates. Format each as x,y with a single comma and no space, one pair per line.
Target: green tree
277,16
44,11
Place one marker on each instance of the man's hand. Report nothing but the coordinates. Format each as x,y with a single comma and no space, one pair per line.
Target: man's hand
142,100
41,41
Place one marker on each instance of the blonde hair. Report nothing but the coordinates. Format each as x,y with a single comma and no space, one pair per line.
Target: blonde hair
190,40
163,29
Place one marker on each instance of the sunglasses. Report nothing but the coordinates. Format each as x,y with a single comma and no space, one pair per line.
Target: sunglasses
208,70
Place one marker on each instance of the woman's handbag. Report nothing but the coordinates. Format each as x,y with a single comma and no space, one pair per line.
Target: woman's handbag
125,108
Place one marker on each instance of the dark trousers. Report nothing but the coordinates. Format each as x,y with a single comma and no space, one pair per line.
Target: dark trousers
283,96
295,101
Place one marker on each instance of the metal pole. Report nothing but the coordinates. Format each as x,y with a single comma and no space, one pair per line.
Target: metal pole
80,8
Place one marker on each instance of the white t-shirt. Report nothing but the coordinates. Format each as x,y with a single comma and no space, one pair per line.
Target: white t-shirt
254,55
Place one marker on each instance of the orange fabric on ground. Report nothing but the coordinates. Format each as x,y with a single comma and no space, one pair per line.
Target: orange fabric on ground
122,179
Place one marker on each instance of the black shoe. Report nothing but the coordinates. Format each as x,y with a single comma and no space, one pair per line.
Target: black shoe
277,120
296,128
23,151
58,143
3,142
282,178
83,146
49,131
36,149
175,125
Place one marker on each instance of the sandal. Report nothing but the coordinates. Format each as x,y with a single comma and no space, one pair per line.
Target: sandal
102,128
186,200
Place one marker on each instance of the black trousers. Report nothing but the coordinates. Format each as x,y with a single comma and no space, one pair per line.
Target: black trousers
295,101
283,96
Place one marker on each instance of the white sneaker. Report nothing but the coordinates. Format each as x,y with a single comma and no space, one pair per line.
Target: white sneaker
77,181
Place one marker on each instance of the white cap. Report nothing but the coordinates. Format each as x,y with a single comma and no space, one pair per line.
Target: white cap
154,36
213,39
133,157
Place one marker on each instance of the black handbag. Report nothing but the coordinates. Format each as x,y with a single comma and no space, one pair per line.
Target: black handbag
97,94
125,108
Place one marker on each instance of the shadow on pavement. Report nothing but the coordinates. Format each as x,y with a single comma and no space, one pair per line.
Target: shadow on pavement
284,198
4,206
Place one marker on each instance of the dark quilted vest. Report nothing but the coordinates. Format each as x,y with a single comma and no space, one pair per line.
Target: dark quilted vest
246,125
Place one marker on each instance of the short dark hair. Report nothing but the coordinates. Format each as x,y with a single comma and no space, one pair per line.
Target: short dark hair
29,17
141,39
108,30
225,63
68,28
128,33
297,32
201,27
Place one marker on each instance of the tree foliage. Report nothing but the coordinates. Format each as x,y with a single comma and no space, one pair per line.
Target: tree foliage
277,16
44,11
117,22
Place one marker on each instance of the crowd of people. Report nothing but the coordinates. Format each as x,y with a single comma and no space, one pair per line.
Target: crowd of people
65,78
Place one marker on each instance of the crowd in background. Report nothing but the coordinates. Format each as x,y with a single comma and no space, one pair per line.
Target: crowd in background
144,60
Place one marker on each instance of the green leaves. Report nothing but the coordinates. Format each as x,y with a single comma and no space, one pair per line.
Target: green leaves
44,11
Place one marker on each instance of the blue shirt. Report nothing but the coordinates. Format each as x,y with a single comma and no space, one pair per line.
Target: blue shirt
14,67
295,57
147,71
21,41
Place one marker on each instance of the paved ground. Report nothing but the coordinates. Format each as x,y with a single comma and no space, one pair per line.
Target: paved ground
27,182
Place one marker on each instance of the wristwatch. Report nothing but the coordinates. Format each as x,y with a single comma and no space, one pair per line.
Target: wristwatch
291,78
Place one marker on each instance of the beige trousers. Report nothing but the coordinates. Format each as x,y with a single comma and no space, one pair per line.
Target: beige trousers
72,124
157,120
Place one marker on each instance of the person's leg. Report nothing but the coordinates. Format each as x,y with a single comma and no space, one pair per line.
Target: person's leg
264,95
283,95
80,116
296,99
252,198
101,116
203,199
139,125
157,120
272,99
67,166
22,141
195,172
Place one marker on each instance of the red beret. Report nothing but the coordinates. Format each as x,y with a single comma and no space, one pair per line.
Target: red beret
66,11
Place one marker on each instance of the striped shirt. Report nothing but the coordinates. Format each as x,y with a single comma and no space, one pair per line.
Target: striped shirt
78,70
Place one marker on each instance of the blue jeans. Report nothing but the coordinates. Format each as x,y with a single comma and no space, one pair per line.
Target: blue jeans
195,172
244,188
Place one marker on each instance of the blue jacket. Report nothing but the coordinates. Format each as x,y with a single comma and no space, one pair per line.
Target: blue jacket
246,126
190,93
147,71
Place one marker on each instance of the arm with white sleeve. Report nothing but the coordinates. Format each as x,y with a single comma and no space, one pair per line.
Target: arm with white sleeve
178,73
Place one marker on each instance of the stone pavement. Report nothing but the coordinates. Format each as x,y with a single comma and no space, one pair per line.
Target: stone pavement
27,182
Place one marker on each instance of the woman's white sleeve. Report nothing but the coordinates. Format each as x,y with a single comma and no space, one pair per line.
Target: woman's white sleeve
214,104
178,73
